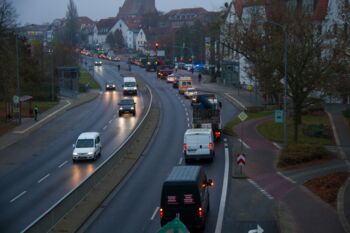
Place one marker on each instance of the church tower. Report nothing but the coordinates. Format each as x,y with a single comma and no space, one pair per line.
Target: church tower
136,8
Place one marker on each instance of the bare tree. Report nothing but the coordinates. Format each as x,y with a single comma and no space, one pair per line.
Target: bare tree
72,24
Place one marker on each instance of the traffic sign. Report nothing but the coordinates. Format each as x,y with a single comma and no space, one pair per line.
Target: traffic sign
257,230
279,116
243,116
15,99
240,159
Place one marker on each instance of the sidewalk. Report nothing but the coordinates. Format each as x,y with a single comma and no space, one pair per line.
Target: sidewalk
29,125
310,213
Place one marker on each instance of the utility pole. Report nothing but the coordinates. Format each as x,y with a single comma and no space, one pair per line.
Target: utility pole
18,82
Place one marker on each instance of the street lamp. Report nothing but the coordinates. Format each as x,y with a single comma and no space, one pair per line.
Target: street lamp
285,132
18,82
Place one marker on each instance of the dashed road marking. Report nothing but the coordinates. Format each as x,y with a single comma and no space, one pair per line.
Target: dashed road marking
188,119
115,116
225,139
186,113
18,196
244,144
154,213
188,125
42,179
276,145
110,121
62,164
286,177
105,127
225,144
180,160
260,189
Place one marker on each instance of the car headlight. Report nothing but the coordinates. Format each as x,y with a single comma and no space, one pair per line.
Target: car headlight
121,108
135,88
107,85
75,153
113,85
132,108
125,88
90,153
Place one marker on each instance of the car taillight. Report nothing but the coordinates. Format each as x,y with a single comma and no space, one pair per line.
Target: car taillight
161,212
200,212
185,146
217,134
211,146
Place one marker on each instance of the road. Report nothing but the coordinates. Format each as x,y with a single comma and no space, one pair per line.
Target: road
48,172
133,206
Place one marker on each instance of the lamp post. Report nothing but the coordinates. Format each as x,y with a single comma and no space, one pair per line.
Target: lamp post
285,132
18,82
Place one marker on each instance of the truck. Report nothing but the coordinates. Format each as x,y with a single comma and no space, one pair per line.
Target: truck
206,111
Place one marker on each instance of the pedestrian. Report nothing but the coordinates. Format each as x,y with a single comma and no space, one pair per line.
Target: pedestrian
199,78
192,69
36,112
118,67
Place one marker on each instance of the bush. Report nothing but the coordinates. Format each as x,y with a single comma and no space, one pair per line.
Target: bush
317,130
296,154
346,113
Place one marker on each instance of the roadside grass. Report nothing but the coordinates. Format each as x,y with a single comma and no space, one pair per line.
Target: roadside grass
229,127
274,132
44,105
87,80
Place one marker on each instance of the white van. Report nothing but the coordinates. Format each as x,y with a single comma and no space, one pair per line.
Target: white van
198,144
87,147
129,86
184,84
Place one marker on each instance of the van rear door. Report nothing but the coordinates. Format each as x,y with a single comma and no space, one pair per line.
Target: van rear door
197,144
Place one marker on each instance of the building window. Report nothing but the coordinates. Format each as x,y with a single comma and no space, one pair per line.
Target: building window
309,6
292,4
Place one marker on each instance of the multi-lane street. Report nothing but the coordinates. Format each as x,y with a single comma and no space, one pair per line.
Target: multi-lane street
49,173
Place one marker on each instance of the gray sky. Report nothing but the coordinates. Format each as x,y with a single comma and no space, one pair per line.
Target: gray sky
41,11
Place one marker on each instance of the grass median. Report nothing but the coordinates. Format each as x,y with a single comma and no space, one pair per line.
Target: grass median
86,80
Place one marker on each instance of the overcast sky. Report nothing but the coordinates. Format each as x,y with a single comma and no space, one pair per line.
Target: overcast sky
41,11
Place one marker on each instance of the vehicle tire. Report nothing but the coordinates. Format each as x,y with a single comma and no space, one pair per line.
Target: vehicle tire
74,161
134,113
120,114
187,160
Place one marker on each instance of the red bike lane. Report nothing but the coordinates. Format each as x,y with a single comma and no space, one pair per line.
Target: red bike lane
310,213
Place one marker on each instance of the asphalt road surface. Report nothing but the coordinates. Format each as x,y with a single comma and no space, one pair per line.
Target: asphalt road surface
48,172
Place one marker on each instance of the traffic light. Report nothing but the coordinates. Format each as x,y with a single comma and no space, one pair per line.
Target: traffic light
157,45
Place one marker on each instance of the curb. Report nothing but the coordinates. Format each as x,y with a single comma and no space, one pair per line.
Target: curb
340,207
285,220
88,100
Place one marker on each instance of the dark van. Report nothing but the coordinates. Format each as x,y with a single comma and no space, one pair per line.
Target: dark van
185,194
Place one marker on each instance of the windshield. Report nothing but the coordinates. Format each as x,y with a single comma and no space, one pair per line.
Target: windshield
129,84
85,143
127,102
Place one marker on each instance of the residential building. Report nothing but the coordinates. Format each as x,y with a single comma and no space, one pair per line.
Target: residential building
188,16
103,27
136,8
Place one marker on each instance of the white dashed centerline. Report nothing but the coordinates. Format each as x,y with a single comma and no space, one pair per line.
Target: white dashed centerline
276,145
188,119
180,161
225,144
154,213
188,125
62,164
18,196
105,127
225,139
110,121
42,179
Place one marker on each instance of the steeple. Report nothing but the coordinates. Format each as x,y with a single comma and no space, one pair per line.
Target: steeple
137,8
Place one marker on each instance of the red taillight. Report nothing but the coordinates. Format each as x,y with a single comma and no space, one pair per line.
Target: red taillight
210,146
217,134
161,213
185,146
200,212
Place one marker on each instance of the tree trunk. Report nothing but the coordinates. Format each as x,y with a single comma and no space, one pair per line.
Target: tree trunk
296,121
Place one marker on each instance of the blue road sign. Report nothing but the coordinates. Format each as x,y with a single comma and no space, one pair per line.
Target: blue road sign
279,116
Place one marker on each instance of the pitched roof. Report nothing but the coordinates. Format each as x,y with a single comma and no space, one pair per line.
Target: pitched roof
85,20
104,25
197,10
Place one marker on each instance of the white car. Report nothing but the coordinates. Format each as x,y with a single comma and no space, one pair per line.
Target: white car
171,78
190,92
198,144
87,147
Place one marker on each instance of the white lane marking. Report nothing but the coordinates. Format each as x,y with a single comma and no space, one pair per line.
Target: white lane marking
186,113
260,189
188,119
180,161
286,177
18,196
42,179
110,121
48,116
237,101
188,125
225,139
115,116
62,164
244,144
105,127
276,145
336,137
154,213
223,195
225,144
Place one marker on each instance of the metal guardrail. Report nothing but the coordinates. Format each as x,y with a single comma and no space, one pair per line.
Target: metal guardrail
48,219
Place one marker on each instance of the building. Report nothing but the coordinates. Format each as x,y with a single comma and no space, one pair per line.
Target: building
132,8
101,30
187,17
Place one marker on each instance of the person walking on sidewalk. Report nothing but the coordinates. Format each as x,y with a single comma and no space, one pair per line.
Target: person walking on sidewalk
199,78
36,112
